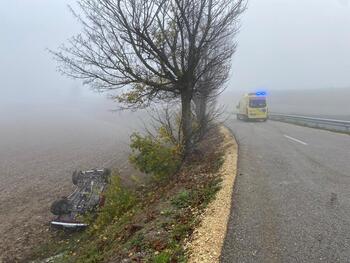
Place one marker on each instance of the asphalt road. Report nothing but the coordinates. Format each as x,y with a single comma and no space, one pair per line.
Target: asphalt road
291,201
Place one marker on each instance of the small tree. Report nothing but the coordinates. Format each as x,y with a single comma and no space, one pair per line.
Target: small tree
149,50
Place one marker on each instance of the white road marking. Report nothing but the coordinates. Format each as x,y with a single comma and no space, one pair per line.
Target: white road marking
296,140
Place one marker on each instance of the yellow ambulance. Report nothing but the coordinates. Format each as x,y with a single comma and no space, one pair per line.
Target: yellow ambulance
253,106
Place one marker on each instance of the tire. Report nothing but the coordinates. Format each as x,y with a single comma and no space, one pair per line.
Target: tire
61,207
106,175
76,177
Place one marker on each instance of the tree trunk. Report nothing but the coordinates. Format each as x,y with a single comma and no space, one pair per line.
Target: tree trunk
202,117
201,102
186,120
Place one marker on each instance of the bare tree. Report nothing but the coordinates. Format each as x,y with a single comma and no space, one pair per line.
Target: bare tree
209,87
149,50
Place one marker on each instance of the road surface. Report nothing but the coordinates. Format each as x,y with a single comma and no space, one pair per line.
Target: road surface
291,201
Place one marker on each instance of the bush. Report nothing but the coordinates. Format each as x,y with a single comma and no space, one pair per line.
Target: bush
154,156
182,199
163,257
118,201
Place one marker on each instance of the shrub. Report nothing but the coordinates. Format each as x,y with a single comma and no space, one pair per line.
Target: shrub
154,156
182,199
202,196
118,201
163,257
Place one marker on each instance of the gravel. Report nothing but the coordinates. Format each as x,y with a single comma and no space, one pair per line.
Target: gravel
208,238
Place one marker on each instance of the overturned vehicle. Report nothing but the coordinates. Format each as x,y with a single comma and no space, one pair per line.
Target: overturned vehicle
87,196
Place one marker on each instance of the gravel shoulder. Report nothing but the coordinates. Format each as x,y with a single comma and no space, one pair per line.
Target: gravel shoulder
208,238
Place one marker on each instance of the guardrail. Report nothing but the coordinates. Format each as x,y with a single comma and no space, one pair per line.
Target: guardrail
327,124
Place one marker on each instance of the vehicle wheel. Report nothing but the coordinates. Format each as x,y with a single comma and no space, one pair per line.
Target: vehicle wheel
76,177
106,175
61,207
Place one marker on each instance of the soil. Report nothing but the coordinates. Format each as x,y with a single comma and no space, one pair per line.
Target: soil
37,157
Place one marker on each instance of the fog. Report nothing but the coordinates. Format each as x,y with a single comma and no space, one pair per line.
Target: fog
298,52
27,71
51,125
285,44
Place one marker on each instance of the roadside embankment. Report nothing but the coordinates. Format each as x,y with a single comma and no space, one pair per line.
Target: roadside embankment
208,238
207,241
181,216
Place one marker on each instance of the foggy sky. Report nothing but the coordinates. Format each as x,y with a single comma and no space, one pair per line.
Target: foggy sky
283,44
28,29
289,44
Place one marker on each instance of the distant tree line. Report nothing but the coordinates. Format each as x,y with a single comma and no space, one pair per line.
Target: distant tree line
156,51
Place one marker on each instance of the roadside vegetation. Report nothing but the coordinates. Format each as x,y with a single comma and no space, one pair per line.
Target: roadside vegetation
148,223
148,52
161,54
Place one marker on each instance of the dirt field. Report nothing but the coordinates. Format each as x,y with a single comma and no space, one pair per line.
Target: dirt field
39,149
